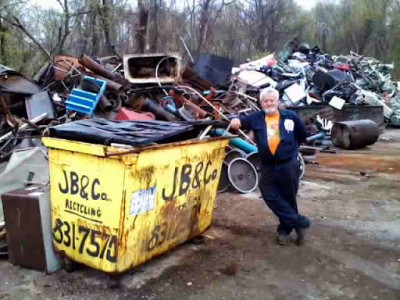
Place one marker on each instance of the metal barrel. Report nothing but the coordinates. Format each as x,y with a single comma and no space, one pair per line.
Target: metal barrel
354,134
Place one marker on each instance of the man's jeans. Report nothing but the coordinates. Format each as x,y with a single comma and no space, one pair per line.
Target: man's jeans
278,185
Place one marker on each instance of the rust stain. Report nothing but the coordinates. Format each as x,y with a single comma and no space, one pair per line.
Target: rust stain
169,209
357,162
145,175
122,236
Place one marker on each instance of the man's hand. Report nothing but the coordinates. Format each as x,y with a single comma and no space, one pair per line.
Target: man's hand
235,124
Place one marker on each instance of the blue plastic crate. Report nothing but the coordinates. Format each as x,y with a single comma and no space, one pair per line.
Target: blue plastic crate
85,102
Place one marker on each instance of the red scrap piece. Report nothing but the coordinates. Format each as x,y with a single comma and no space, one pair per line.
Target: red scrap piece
127,114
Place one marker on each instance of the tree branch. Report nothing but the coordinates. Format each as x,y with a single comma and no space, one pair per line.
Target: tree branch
59,2
15,22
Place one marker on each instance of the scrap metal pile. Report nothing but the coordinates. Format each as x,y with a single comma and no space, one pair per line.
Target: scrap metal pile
305,76
137,100
134,101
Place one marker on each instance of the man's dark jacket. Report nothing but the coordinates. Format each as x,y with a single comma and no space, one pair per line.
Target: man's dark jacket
290,139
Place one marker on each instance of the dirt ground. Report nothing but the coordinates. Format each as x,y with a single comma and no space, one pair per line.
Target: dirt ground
352,249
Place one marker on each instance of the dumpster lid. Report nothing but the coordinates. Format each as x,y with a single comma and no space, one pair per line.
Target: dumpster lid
133,133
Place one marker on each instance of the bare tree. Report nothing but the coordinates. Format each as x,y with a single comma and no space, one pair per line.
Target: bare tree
140,35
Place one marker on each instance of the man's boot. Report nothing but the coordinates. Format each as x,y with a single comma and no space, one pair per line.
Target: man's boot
283,239
301,235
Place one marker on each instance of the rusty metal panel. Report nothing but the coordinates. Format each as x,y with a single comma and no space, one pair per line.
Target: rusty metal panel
113,213
63,65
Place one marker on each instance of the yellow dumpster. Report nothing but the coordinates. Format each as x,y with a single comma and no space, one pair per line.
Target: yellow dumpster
114,209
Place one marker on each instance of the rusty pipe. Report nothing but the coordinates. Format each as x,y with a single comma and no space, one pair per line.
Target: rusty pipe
95,67
181,101
202,113
161,113
111,85
105,105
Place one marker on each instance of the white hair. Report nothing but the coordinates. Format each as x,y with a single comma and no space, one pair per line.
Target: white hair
269,91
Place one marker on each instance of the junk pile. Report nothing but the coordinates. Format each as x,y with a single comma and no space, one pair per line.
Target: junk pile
325,89
139,101
134,101
112,100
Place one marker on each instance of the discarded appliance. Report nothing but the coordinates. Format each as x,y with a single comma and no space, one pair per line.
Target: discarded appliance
257,79
39,103
29,230
295,93
157,68
355,134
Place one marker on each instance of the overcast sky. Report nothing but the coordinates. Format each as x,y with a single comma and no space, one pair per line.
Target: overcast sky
306,4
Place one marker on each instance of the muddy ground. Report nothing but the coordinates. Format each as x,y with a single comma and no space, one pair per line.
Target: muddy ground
352,250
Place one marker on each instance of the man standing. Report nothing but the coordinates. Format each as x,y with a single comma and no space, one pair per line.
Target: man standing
278,134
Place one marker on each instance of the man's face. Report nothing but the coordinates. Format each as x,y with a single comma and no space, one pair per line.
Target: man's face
269,104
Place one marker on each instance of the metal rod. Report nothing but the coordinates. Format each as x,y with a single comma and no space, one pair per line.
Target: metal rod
222,115
203,134
23,126
187,49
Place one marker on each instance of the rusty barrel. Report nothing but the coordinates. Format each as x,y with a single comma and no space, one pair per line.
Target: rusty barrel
354,134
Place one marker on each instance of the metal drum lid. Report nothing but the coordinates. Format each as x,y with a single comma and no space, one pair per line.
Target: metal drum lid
224,182
231,155
242,175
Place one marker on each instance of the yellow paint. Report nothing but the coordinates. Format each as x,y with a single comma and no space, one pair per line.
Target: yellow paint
110,212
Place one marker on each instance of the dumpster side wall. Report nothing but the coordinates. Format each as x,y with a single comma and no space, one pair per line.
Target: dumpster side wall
170,197
86,196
